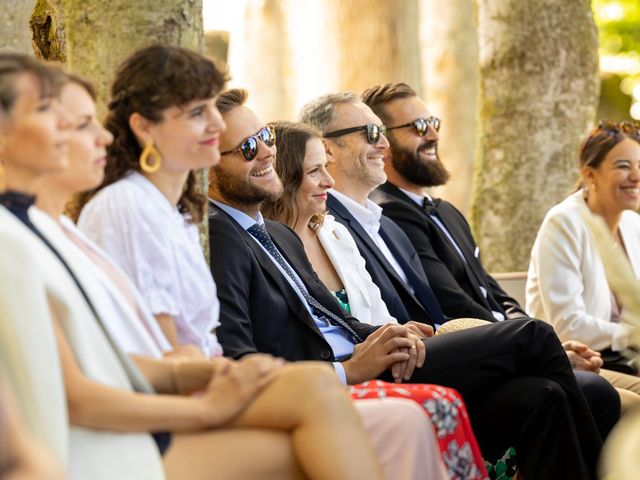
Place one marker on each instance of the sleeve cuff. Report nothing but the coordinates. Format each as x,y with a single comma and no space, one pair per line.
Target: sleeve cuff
342,375
620,339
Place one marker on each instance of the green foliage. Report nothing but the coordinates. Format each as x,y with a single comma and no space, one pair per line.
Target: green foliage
618,24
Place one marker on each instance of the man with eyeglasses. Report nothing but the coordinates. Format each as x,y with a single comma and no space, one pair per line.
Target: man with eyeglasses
356,152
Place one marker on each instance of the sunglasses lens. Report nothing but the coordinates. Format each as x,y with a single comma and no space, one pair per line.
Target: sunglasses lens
267,136
435,122
374,132
249,148
421,126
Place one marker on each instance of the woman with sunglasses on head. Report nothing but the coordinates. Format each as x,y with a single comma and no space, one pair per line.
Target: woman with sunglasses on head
301,165
566,283
250,406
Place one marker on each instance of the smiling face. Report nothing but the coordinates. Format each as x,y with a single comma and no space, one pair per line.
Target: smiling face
614,186
353,161
188,136
87,143
311,196
236,181
33,136
412,156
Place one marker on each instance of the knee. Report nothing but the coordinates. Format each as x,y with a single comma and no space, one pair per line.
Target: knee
599,393
307,377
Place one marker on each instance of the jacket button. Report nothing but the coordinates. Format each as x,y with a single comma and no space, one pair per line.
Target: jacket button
325,354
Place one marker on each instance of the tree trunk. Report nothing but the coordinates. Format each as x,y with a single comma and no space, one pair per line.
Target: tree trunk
14,25
263,65
538,96
377,42
449,45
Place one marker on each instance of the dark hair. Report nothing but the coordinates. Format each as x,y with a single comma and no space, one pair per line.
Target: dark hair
231,99
601,141
376,97
291,145
148,82
14,64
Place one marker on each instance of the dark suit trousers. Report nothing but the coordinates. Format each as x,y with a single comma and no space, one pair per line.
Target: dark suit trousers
520,391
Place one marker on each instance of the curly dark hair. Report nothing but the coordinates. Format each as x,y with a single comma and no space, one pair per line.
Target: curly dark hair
148,82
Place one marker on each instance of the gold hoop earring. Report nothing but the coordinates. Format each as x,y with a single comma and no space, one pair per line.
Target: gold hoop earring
150,151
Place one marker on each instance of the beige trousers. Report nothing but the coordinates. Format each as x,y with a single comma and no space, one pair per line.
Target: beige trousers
628,386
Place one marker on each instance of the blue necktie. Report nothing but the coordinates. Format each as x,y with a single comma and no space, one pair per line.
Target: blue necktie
260,233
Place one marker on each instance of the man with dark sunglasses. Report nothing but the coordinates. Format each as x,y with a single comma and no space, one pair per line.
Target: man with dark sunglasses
395,267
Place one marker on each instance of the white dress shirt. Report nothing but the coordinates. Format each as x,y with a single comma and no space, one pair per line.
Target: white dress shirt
140,230
369,217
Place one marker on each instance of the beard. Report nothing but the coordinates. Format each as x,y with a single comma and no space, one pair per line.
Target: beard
241,192
429,173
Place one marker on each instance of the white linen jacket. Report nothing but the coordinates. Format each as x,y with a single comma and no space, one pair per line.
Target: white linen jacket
364,296
566,283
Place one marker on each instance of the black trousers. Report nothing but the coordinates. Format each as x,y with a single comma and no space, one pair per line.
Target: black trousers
520,391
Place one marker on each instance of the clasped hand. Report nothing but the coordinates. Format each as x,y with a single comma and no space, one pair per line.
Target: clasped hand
399,347
235,384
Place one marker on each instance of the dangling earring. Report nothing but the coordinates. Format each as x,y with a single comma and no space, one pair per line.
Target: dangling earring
593,187
150,151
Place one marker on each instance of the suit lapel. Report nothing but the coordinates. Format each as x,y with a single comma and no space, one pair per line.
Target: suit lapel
475,277
364,238
270,268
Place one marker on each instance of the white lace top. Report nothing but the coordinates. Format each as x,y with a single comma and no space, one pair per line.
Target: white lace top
160,251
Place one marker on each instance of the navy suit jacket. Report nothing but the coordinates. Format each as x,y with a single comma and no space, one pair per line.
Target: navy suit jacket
456,283
402,303
259,310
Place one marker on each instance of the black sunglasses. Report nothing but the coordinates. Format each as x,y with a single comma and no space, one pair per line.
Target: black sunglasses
249,146
373,132
421,125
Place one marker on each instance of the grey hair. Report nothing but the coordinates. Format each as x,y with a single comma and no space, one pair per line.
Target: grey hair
320,112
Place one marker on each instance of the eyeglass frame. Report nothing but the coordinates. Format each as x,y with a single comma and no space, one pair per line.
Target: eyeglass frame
368,128
256,136
432,121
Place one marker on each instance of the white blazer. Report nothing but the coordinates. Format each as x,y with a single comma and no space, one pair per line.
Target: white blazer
28,351
364,296
95,454
566,283
135,332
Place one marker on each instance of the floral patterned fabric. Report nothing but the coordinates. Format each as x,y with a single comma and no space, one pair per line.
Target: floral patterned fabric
450,420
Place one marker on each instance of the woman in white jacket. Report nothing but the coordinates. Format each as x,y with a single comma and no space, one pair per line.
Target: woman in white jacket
566,284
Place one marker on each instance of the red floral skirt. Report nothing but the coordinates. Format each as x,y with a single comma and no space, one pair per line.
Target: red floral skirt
448,414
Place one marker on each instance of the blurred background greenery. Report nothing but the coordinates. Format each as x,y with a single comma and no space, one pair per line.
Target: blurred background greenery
618,24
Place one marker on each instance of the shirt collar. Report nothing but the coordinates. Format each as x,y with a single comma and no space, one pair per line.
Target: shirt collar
369,214
244,220
419,199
